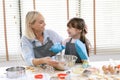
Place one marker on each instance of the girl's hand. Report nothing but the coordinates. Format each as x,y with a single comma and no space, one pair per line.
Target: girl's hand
57,47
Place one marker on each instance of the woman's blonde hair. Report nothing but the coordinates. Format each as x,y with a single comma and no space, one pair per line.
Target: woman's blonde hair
30,19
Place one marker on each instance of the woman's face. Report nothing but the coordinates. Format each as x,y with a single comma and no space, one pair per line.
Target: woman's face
39,24
73,32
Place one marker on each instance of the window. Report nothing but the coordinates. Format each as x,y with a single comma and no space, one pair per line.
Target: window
107,27
2,39
107,24
54,11
26,5
12,28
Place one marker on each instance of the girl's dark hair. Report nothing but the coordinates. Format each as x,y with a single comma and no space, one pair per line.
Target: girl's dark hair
79,23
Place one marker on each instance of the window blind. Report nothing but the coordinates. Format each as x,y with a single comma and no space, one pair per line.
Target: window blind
2,38
26,5
107,27
74,8
55,13
12,29
87,14
107,24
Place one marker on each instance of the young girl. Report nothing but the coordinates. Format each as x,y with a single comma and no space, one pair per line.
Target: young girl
77,44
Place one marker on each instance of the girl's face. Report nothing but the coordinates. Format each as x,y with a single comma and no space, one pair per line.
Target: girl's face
73,32
39,24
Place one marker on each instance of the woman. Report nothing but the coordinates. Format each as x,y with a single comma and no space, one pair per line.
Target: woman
37,41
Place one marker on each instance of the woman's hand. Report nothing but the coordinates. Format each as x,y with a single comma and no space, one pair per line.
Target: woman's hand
55,64
50,61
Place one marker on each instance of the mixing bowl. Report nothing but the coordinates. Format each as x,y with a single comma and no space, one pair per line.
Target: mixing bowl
65,61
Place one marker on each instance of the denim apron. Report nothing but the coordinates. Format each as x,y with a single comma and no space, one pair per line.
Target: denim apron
43,51
70,50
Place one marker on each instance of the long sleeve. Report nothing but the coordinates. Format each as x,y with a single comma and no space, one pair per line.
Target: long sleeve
27,50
